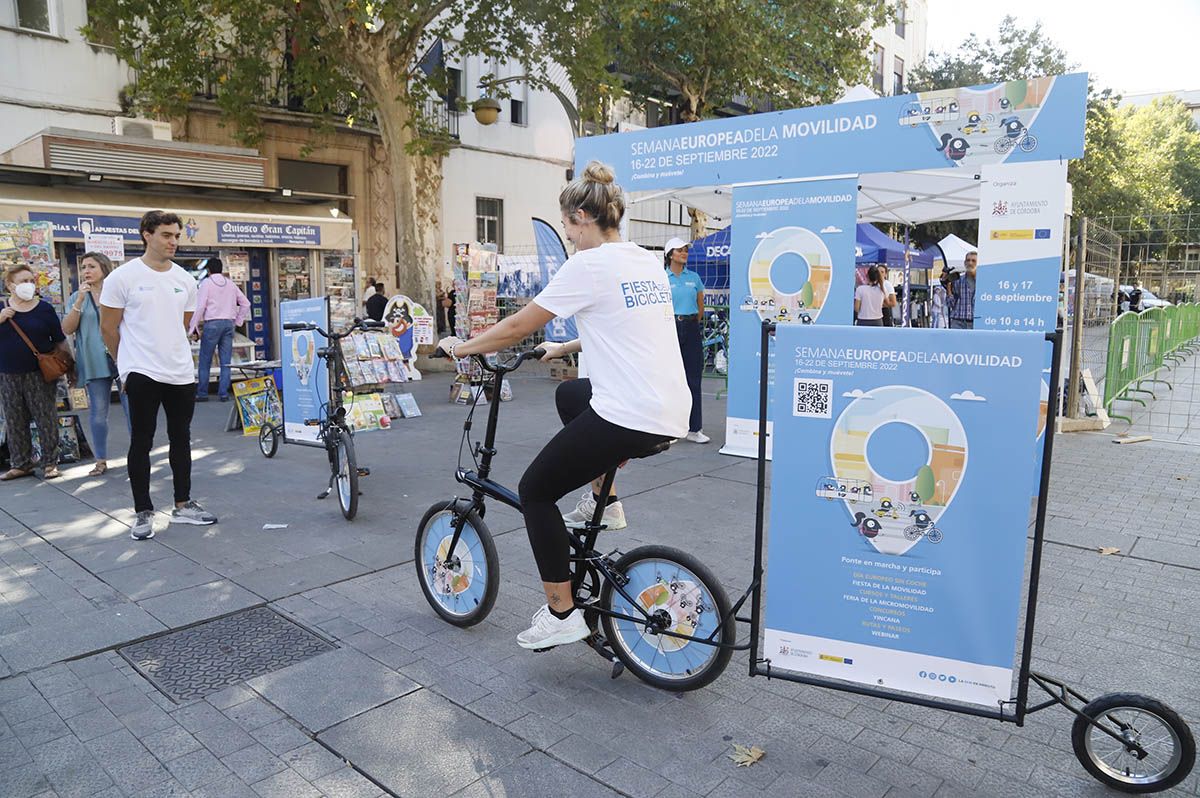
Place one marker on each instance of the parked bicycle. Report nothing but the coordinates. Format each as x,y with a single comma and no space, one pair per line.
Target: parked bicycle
334,433
655,610
715,342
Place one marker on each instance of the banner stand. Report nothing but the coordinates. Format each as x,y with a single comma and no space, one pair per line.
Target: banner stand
1094,714
1013,710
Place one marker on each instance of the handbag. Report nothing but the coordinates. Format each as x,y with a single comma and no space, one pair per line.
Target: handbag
53,364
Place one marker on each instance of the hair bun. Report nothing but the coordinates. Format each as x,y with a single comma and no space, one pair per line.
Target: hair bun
597,172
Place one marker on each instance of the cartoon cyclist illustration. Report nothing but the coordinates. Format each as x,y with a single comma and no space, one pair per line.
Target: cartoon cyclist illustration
922,526
1016,134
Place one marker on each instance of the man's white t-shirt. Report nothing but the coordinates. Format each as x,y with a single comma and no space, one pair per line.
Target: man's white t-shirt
870,301
621,301
154,341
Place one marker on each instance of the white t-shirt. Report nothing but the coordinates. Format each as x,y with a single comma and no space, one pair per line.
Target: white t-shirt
154,341
870,301
621,301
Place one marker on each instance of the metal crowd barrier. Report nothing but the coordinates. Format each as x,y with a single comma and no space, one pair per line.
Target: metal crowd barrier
1141,345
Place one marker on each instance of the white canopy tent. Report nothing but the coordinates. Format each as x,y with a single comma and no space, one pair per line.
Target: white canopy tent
955,249
888,198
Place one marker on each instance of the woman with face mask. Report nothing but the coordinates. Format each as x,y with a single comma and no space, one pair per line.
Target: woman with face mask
24,394
94,368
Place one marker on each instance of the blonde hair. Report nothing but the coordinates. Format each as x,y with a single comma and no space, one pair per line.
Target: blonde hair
102,260
596,194
12,271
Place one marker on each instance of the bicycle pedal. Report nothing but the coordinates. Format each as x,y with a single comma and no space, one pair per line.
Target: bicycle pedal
364,472
542,650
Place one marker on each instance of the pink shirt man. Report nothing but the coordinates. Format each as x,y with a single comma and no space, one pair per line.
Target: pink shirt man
219,298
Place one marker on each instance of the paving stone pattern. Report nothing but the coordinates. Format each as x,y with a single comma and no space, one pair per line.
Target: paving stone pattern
423,708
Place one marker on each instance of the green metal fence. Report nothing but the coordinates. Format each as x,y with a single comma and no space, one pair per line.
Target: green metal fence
1142,345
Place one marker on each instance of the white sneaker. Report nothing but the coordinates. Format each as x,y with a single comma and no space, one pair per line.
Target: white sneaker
548,631
613,518
697,437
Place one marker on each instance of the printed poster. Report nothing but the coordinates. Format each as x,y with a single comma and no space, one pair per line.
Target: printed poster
792,261
893,509
258,404
1021,213
305,377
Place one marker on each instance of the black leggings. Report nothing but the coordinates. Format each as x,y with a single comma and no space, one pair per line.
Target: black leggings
585,448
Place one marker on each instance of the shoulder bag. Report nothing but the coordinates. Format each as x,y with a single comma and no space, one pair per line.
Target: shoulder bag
53,364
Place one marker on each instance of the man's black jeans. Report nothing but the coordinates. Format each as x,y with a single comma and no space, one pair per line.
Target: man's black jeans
178,402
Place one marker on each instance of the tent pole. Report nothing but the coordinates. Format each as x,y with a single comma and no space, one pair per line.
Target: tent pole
906,304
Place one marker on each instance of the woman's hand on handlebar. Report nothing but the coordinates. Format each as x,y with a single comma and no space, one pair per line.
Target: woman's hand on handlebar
553,350
448,343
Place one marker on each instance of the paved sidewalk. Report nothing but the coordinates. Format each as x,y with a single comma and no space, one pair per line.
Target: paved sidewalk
404,704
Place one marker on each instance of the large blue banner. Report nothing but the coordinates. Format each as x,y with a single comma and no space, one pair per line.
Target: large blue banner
897,534
792,261
552,254
1014,122
305,378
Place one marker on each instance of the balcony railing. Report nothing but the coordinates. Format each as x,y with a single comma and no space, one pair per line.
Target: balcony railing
277,91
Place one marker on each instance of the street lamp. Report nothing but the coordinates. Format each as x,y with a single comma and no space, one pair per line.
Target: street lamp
487,109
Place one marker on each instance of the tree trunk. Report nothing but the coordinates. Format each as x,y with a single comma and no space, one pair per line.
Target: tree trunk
699,224
416,188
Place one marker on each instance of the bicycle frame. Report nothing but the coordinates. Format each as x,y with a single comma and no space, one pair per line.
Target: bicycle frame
584,555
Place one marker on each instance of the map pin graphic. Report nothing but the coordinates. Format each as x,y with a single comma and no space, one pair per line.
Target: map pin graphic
894,511
804,303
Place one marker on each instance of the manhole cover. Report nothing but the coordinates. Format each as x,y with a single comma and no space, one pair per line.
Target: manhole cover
204,659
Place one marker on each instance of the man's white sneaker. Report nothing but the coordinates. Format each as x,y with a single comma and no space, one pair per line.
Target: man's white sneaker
192,513
143,527
548,631
613,518
697,437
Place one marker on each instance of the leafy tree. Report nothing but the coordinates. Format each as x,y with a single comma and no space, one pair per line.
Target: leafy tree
1016,54
702,55
350,58
1136,161
925,484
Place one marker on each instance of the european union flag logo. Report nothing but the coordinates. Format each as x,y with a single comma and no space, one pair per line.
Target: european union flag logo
1041,233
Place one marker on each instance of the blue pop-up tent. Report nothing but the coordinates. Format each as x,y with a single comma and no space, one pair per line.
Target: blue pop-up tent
873,246
709,258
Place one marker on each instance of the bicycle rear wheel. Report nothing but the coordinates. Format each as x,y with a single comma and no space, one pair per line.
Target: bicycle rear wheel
682,596
463,592
345,479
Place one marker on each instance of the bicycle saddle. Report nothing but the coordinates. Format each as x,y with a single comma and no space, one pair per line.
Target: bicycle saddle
653,450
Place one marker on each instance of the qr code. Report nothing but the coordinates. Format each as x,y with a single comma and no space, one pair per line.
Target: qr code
812,399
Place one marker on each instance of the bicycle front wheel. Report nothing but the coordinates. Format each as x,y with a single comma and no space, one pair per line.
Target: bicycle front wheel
682,596
345,478
460,586
268,440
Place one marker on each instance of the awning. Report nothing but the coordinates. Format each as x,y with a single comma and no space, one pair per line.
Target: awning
933,195
207,223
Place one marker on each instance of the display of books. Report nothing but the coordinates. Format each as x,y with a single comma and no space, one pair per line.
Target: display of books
408,405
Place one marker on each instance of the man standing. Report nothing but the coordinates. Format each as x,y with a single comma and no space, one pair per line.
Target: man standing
376,303
220,306
962,301
145,309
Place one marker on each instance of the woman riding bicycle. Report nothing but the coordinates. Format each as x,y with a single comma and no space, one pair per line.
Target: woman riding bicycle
636,398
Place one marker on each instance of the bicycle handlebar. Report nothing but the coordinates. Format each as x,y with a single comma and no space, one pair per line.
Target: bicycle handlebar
500,368
357,324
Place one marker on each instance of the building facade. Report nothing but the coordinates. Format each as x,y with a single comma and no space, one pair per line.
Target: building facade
899,47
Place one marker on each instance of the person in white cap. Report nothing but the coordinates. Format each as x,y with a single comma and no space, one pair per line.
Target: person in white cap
687,295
